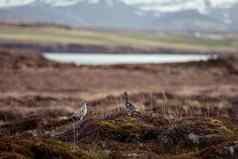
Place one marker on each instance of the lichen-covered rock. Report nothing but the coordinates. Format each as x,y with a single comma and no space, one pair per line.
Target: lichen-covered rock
222,151
192,134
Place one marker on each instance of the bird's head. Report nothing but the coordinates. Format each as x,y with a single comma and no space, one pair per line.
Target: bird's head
125,96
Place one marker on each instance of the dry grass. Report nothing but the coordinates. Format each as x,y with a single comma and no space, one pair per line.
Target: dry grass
53,35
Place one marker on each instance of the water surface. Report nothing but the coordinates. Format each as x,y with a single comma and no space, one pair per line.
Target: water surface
111,59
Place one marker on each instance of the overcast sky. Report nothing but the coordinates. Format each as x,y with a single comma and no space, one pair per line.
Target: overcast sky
214,2
197,3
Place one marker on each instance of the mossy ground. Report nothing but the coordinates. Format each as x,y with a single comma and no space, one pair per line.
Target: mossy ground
136,136
39,148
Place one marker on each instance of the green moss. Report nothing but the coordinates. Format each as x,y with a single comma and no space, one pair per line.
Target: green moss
53,149
128,124
56,149
181,156
44,149
125,130
97,153
227,128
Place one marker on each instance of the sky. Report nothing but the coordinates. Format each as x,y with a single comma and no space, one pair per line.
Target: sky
174,5
164,4
214,2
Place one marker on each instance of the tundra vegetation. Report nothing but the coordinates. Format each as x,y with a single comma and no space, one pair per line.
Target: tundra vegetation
183,111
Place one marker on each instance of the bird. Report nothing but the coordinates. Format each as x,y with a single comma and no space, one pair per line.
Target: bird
129,107
80,115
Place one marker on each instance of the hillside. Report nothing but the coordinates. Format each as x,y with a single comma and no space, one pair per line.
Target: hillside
59,38
201,15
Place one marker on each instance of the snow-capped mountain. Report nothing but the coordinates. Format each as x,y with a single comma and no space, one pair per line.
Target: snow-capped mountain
160,14
156,5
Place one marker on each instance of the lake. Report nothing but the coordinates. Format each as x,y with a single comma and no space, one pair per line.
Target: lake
112,59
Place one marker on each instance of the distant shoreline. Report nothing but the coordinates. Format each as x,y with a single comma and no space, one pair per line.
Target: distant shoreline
83,48
50,38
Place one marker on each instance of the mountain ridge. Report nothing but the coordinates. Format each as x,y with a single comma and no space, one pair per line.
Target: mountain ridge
152,4
122,14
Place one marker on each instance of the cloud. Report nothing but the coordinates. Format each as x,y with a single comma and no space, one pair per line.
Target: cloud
175,5
214,3
162,5
11,3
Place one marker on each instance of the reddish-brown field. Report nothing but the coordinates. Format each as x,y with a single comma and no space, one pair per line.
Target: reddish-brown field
177,103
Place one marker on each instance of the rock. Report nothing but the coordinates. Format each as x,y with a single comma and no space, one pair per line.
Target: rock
194,138
221,151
